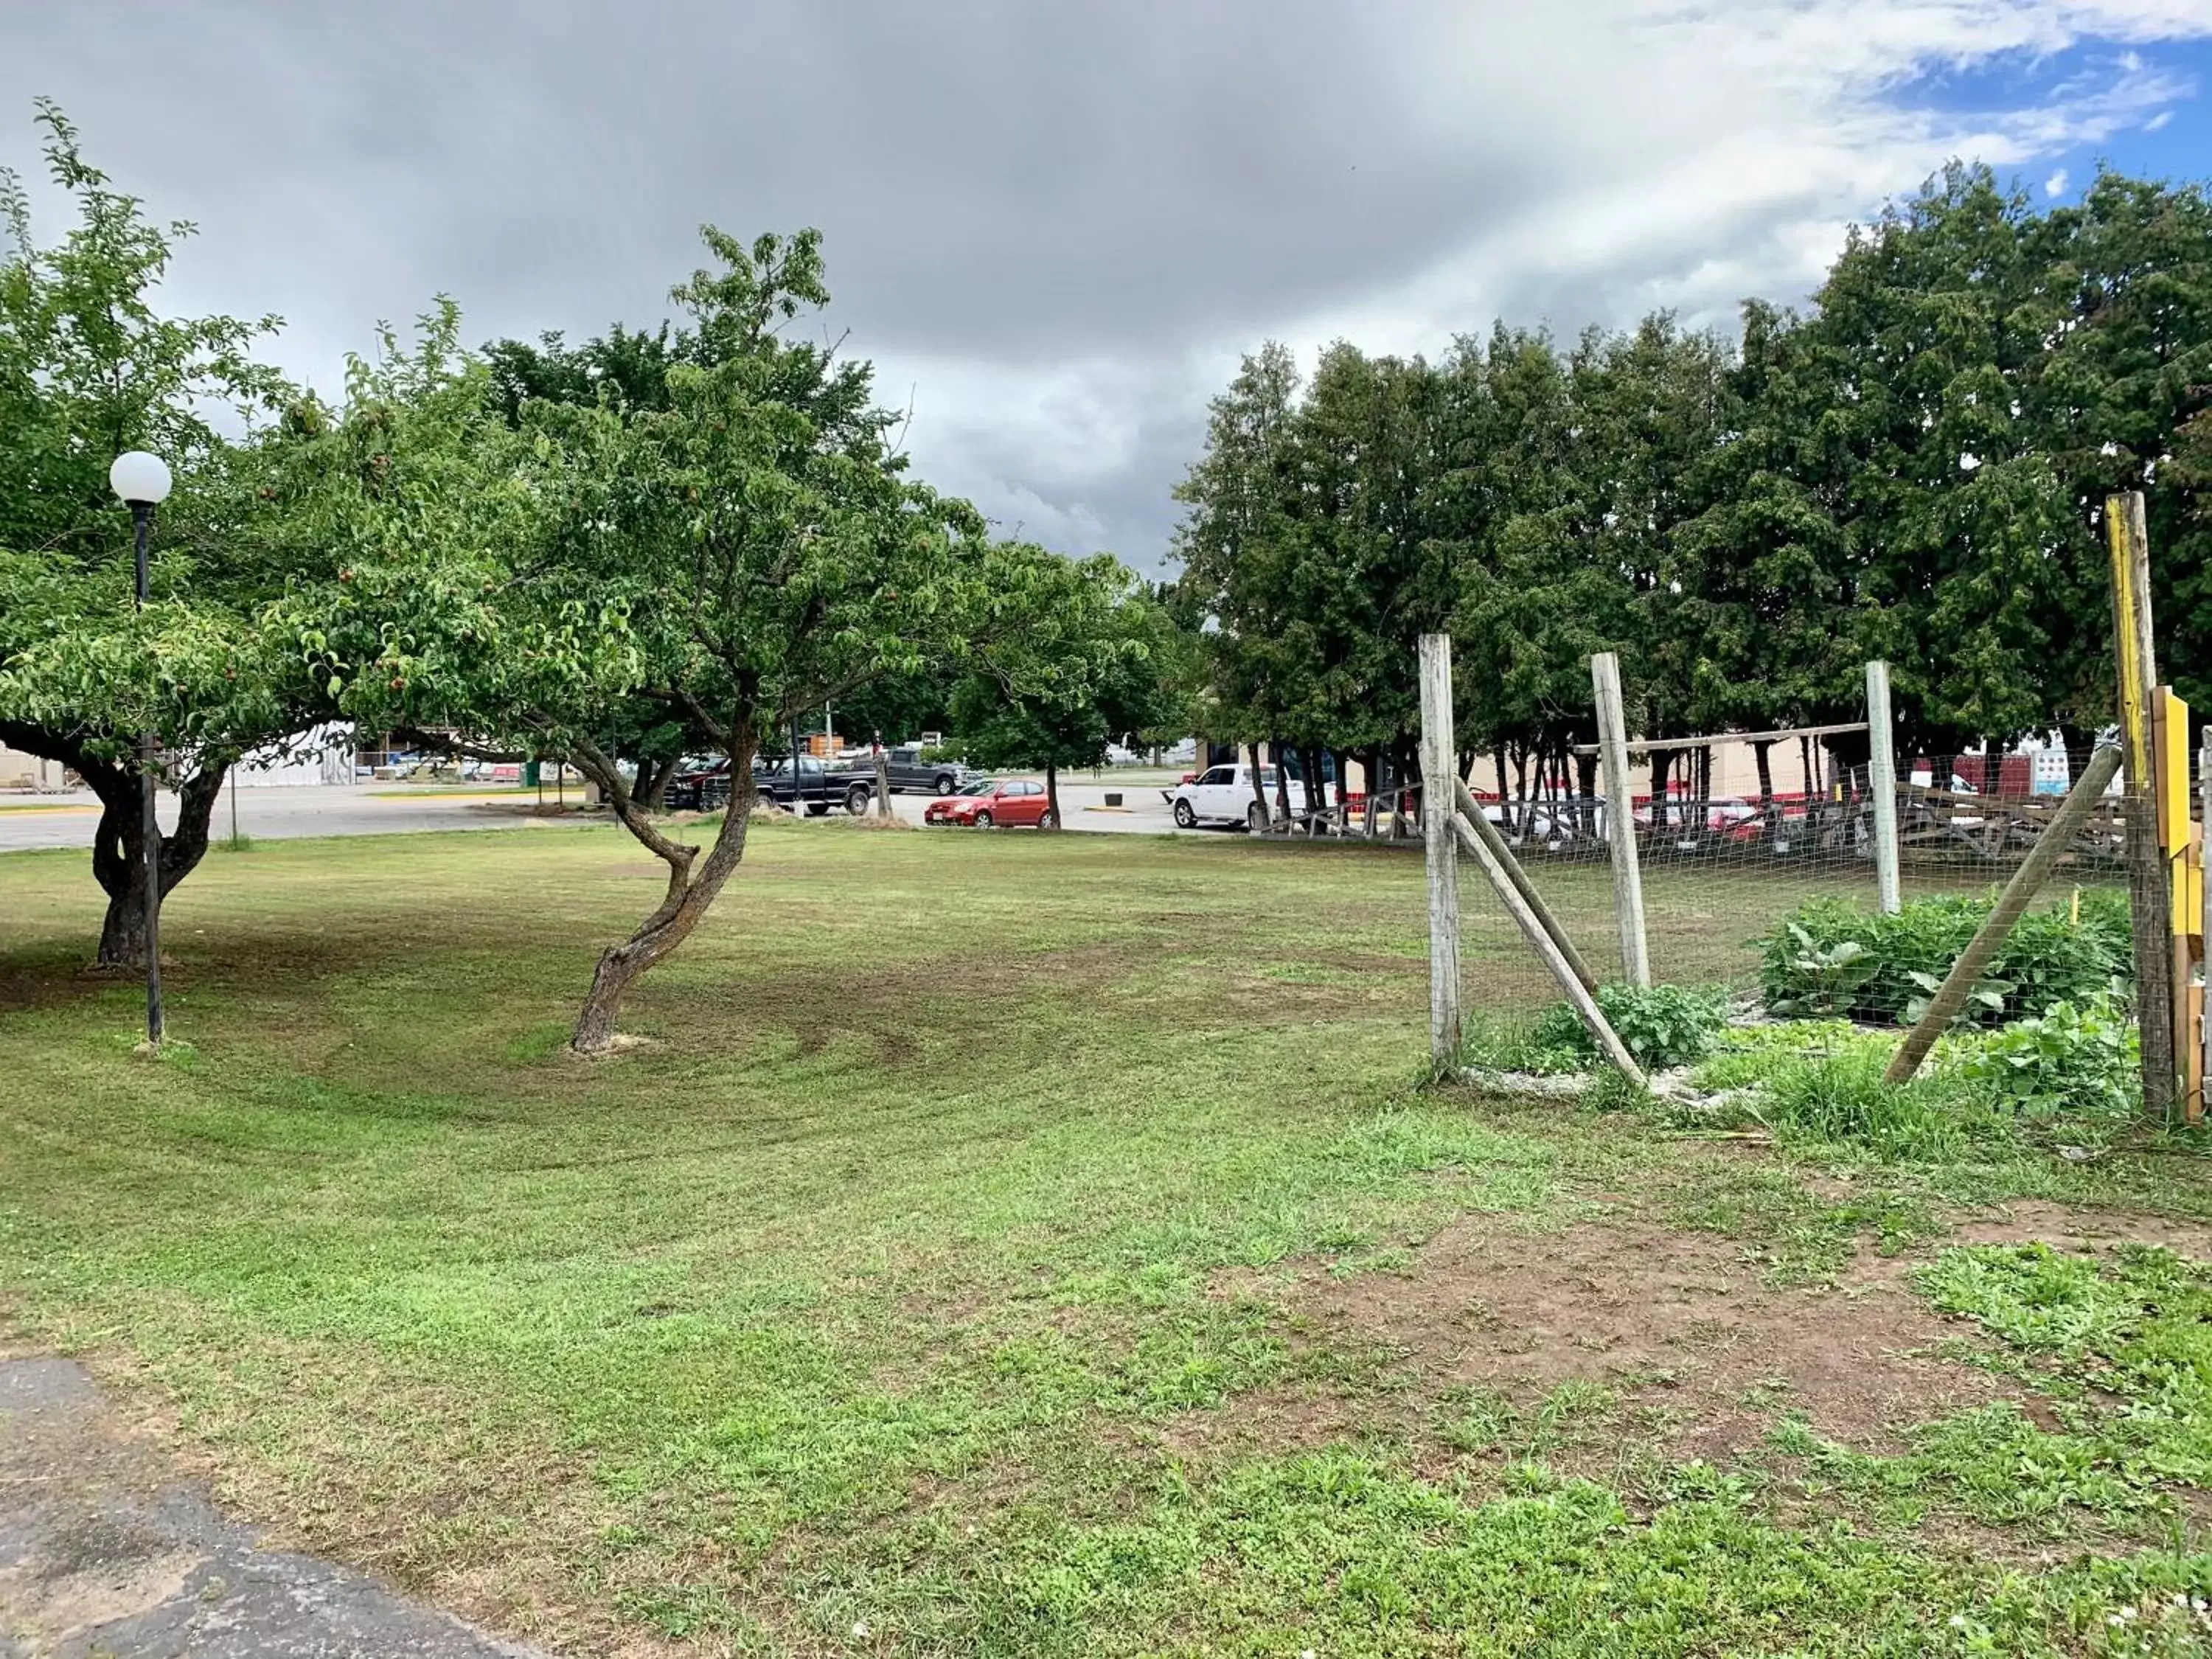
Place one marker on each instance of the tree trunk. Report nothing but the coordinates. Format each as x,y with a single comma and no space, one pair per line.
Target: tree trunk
1259,789
1282,780
883,783
1586,796
693,886
1051,792
1314,802
119,856
653,779
1374,787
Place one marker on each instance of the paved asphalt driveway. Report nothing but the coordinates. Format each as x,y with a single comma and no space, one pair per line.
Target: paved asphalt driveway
106,1552
278,812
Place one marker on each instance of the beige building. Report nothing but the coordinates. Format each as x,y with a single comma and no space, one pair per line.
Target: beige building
20,771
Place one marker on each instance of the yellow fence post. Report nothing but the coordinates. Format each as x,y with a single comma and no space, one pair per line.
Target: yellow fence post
2179,843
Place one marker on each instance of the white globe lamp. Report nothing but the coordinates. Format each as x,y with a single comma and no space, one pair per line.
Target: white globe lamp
141,479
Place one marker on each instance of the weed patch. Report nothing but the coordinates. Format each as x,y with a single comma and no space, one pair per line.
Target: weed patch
1662,1025
2120,1351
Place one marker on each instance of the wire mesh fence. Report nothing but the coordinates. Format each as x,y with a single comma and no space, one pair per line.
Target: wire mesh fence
1721,874
1708,887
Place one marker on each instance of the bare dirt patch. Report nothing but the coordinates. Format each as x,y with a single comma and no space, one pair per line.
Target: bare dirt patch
1697,1350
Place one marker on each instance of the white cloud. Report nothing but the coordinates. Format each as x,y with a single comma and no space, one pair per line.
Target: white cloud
1708,153
1061,224
1716,151
1688,156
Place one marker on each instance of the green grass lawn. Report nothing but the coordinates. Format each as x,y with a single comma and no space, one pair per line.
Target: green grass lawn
1013,1244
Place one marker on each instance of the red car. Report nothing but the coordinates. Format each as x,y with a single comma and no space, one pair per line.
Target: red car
986,802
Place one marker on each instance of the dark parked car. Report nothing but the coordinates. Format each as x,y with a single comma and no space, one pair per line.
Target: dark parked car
705,788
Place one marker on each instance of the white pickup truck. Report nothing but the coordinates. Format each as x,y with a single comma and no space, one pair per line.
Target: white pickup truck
1221,794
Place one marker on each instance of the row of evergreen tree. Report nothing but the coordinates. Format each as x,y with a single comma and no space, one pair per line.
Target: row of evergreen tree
1912,469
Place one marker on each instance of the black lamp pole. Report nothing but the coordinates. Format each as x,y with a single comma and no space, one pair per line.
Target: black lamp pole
141,520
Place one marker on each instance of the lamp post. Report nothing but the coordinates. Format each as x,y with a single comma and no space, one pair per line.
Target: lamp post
142,482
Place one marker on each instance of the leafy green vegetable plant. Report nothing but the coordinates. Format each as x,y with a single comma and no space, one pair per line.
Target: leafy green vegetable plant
1831,957
1828,977
1662,1025
2076,1061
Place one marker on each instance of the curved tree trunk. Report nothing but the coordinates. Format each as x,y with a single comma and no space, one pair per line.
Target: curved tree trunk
1401,754
1762,756
119,841
1052,791
119,856
693,885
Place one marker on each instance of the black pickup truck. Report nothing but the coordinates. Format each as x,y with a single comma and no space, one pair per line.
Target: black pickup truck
819,788
910,772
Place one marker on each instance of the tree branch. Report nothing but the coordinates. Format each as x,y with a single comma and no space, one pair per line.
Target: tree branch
713,727
594,763
445,744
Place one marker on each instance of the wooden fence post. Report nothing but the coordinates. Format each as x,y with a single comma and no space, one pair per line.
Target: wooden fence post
1439,771
2175,832
1881,782
2148,898
1620,818
1495,861
1487,832
2049,847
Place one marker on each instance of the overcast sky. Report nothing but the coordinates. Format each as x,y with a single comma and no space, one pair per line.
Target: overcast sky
1057,224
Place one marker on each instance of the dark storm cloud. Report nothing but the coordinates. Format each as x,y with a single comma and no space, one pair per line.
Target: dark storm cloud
1057,222
1012,180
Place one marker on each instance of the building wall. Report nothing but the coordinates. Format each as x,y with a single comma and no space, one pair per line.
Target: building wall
21,771
325,756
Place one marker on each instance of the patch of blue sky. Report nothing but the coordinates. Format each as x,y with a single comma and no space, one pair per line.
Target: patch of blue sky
2144,109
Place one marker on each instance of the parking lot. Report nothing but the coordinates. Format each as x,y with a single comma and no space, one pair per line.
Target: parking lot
279,813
